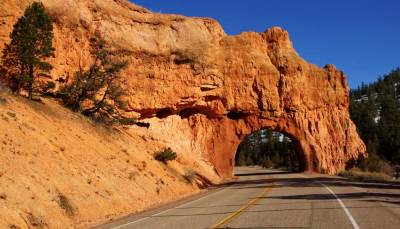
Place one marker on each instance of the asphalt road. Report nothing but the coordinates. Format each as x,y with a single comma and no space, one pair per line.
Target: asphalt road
275,199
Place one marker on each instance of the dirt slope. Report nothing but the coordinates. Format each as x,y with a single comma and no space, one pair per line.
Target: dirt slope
57,169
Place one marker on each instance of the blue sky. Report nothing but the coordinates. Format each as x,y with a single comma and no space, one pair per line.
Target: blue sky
361,37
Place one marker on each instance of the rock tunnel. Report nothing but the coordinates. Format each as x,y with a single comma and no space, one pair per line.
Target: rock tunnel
254,81
221,87
231,86
251,81
220,140
270,149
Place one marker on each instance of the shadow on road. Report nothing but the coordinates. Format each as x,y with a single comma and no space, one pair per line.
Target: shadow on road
364,196
263,173
379,194
311,182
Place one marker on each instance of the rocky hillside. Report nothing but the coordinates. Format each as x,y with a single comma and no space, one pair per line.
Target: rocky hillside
58,169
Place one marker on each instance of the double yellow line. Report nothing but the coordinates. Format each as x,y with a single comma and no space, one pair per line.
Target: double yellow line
241,210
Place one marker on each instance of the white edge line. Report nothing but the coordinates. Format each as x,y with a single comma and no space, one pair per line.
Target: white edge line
353,222
160,213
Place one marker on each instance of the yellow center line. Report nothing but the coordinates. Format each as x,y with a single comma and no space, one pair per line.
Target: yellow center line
242,209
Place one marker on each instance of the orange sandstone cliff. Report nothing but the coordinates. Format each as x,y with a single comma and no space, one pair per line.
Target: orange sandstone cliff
221,87
202,90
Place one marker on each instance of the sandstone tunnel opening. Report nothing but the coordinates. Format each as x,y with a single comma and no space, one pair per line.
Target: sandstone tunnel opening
270,149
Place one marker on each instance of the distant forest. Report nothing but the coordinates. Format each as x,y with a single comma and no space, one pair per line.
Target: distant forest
268,149
375,109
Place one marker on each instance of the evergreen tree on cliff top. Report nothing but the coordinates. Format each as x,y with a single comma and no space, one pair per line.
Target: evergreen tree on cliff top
31,44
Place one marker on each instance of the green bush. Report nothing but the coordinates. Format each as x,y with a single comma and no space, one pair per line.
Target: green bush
167,154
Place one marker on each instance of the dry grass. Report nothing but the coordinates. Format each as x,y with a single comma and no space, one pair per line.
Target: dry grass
36,221
189,175
65,204
365,176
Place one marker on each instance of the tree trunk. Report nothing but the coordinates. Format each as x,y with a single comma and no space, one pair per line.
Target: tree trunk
98,105
30,86
19,83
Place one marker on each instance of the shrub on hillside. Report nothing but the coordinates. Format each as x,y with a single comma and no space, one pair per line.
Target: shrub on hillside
359,174
372,163
65,204
189,175
167,154
369,168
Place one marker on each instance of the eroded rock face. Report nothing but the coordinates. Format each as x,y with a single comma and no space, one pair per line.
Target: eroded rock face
222,87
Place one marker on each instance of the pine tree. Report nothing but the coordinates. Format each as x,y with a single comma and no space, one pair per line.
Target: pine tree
31,44
266,148
375,109
97,92
389,129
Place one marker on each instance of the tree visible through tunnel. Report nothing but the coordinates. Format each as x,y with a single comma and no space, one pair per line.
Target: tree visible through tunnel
268,149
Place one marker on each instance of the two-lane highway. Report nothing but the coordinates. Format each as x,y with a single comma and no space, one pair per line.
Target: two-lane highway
264,198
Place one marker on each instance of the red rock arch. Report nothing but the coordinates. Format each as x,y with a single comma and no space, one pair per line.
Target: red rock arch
221,138
243,83
221,86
